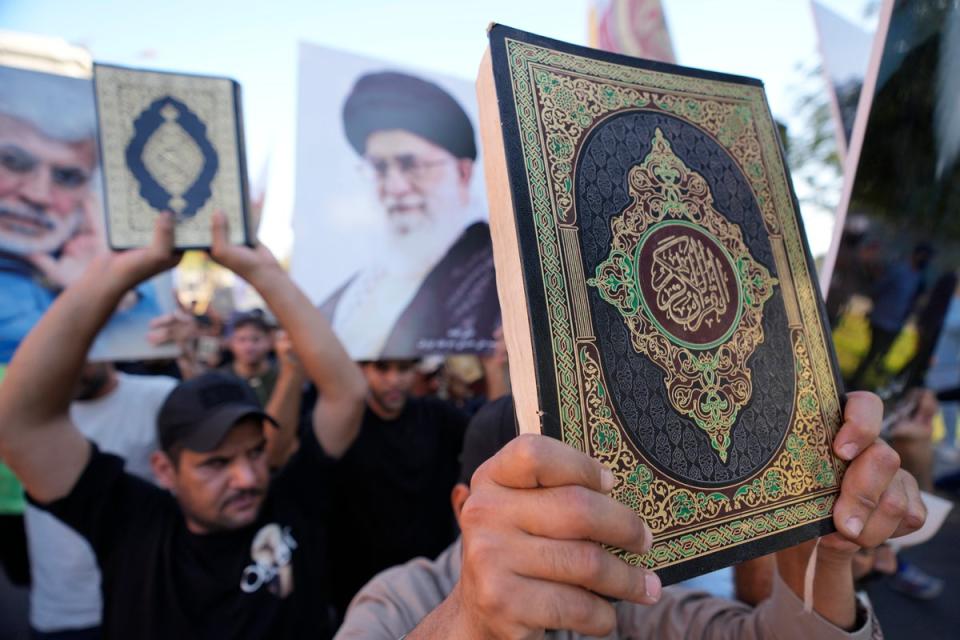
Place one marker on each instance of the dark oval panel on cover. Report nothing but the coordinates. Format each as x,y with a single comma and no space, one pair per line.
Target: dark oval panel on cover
171,157
705,307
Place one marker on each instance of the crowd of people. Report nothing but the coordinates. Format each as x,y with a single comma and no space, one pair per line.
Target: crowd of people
267,484
234,504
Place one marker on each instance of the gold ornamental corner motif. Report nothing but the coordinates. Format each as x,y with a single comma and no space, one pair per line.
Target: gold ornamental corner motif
688,289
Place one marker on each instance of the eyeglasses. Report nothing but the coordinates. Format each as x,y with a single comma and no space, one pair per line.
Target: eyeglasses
407,165
18,160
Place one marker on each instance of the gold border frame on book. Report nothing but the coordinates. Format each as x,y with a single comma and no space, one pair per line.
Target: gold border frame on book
559,99
123,95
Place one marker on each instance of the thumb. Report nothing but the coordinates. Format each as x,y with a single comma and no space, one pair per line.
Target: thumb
163,233
220,229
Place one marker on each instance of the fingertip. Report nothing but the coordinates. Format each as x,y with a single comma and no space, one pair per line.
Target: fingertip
915,520
652,587
607,480
848,451
853,526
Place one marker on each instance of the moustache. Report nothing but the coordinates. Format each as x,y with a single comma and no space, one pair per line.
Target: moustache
401,207
27,220
243,495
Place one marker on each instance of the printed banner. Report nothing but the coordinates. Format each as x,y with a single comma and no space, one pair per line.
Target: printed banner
633,27
391,238
51,219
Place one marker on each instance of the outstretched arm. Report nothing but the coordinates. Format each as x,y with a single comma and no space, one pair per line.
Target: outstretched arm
284,403
341,386
37,439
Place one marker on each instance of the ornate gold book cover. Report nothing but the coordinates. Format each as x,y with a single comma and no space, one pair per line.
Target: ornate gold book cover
170,142
658,295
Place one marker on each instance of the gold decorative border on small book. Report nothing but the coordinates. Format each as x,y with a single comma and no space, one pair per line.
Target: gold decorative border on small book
123,96
559,98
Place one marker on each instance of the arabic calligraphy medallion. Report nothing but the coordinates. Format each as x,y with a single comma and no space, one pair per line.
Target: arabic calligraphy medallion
688,284
692,296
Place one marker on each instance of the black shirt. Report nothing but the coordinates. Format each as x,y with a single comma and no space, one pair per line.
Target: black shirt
393,502
162,581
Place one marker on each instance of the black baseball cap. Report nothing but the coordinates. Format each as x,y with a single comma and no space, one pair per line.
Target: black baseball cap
199,412
489,431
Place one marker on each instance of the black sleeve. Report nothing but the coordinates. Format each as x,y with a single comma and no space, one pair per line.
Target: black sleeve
306,475
453,424
105,503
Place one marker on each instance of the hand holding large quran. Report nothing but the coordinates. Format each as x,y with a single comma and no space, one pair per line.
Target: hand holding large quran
537,509
658,298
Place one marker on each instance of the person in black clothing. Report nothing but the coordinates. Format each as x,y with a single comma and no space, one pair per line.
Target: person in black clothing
400,471
225,551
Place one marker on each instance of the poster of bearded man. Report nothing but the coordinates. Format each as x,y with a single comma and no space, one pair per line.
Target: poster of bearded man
51,221
391,238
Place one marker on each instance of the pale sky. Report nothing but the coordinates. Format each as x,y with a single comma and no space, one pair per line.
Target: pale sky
256,43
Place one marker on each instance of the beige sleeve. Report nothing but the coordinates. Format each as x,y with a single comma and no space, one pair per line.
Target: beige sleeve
392,603
682,613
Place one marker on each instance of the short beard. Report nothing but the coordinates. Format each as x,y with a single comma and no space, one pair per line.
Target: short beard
22,244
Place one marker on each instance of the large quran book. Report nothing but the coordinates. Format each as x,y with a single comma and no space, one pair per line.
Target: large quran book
657,294
170,142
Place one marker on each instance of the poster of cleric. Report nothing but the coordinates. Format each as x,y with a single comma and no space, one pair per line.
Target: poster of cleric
390,232
51,221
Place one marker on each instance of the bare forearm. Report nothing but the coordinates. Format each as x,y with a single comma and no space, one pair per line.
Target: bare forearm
833,594
325,360
37,438
443,622
42,446
284,407
40,380
340,384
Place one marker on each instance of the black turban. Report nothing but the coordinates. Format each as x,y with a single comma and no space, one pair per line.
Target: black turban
391,100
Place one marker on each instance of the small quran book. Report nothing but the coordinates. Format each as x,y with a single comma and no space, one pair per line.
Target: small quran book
658,295
170,142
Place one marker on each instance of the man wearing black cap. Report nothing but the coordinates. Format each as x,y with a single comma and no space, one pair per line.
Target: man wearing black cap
226,551
431,289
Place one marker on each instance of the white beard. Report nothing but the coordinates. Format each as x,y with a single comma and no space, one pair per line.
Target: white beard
29,241
373,302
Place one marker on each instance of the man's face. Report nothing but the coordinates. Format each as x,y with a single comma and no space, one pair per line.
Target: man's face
250,345
416,180
389,383
222,489
43,186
